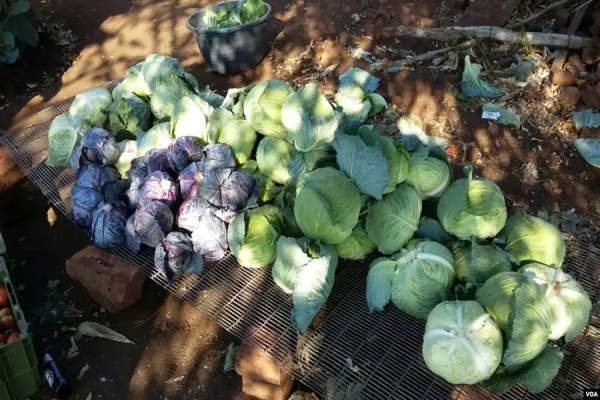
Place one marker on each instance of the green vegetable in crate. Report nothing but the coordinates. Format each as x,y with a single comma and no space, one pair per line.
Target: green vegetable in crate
392,221
252,236
476,263
306,270
569,302
521,309
462,344
427,174
190,117
262,107
273,156
234,14
239,134
327,205
422,274
356,246
536,376
92,106
472,207
129,113
530,238
64,135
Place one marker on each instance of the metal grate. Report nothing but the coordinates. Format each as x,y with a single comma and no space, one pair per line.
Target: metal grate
381,351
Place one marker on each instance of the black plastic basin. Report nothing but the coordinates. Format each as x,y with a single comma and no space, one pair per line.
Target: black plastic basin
231,50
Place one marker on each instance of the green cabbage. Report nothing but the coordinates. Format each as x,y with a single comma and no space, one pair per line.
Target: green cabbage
129,113
92,106
133,83
306,270
217,119
472,207
476,263
167,94
462,344
64,134
262,107
392,221
158,137
428,175
127,152
327,205
190,117
273,156
252,236
569,302
356,246
240,135
521,309
530,238
472,86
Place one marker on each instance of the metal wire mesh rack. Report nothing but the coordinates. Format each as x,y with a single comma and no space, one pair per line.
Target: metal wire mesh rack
381,351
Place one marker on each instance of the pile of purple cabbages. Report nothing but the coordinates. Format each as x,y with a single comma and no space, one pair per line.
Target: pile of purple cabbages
177,201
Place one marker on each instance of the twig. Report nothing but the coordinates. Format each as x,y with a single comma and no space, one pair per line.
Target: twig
579,7
493,33
426,56
538,14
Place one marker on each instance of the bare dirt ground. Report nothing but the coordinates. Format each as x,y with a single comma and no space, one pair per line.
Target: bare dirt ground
178,354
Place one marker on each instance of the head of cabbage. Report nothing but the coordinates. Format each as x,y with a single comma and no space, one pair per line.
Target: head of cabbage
92,106
429,174
472,207
462,344
476,263
262,107
64,135
531,239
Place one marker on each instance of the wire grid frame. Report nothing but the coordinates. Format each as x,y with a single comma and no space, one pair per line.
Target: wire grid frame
379,351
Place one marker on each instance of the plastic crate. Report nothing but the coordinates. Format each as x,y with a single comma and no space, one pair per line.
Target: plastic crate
19,375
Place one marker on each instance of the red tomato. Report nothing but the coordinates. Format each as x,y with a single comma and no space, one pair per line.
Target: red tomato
4,302
12,337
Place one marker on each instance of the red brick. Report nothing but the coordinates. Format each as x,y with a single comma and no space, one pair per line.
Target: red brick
267,391
110,281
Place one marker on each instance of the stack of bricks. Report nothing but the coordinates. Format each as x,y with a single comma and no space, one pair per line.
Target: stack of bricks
262,376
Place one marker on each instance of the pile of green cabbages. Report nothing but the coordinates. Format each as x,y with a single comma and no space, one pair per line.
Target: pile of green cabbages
287,179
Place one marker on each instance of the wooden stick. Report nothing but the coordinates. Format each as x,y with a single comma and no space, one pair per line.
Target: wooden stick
538,14
561,56
493,33
426,56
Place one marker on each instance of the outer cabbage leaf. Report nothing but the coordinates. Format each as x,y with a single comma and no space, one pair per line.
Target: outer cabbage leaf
359,77
472,86
477,263
253,234
462,344
530,238
190,117
586,118
217,119
472,207
589,148
291,257
156,68
262,107
167,95
355,105
273,156
569,302
158,137
537,376
379,283
356,246
505,117
392,221
310,120
92,106
127,153
327,205
365,165
431,229
129,113
210,238
424,276
520,307
240,135
64,135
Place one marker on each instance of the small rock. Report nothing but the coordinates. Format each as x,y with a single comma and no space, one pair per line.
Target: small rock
590,56
473,154
570,96
344,39
563,79
591,96
110,281
562,18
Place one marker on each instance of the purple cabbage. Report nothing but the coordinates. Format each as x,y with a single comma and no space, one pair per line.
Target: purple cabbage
189,179
138,168
158,186
184,151
210,238
217,156
85,201
108,225
191,212
153,221
99,146
131,237
158,161
77,161
175,255
229,191
115,191
94,176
